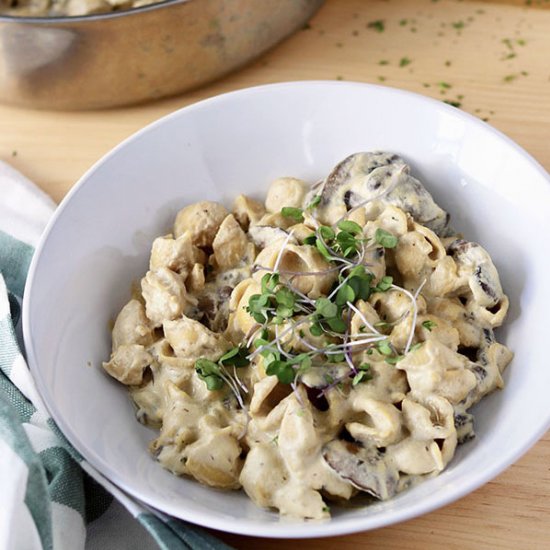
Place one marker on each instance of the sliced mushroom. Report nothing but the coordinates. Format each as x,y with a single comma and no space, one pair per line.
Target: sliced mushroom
492,359
464,425
474,262
379,176
357,167
365,468
412,197
213,306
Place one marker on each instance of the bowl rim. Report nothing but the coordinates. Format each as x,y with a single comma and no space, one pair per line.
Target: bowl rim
47,20
288,530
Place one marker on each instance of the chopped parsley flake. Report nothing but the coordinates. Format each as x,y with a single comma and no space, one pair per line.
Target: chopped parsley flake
378,25
429,325
453,103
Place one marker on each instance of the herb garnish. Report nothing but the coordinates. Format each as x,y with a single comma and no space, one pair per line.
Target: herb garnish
314,202
377,25
296,332
385,238
297,214
453,103
215,375
429,325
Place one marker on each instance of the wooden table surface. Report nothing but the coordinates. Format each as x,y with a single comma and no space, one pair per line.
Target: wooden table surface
491,57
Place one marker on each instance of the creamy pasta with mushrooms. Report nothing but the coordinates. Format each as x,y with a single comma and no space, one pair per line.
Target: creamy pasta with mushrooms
327,342
58,8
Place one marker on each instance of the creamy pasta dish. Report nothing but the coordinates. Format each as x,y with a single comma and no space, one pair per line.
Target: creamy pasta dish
58,8
327,342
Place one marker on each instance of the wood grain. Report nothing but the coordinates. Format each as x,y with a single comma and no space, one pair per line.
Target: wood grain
493,58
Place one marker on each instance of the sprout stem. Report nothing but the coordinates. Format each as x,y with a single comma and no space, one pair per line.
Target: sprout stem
363,318
280,255
414,310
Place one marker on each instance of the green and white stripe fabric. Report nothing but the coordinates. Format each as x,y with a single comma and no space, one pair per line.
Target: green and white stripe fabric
50,497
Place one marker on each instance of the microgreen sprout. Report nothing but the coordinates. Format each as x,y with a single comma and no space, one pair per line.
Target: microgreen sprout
297,214
216,374
384,284
338,246
384,347
209,372
314,203
414,310
363,374
385,238
429,325
296,331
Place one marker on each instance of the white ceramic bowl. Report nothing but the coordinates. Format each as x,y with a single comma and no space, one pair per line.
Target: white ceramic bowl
99,240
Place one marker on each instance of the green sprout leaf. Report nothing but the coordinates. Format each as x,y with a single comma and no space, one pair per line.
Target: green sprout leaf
270,356
345,294
311,239
385,239
304,364
235,357
326,232
213,383
209,372
259,318
297,214
259,342
358,271
384,284
314,202
269,282
350,227
429,325
257,302
384,347
323,250
316,329
284,312
325,308
285,297
361,376
282,370
347,244
205,367
336,357
337,325
361,286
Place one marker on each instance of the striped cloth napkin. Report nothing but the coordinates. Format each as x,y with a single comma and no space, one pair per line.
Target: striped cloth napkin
50,497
